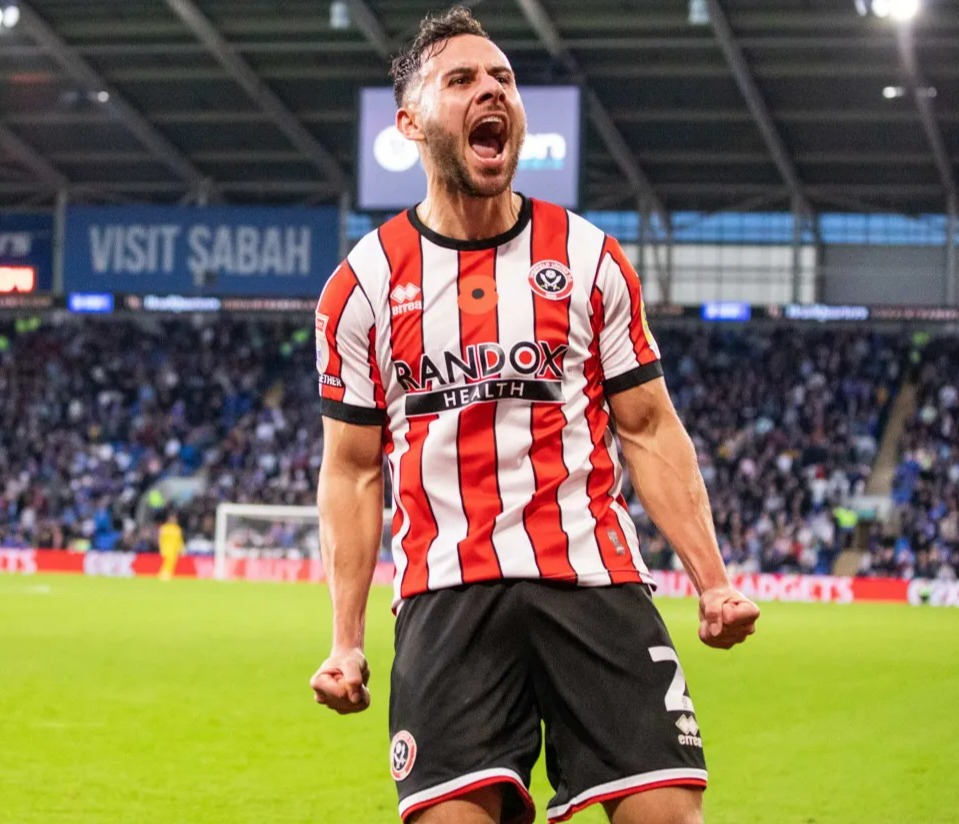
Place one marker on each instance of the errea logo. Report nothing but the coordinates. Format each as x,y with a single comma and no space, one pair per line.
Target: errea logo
690,731
405,298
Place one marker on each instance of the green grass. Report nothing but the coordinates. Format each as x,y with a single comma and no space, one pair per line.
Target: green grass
150,703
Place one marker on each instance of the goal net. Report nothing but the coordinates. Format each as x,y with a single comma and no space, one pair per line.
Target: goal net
263,542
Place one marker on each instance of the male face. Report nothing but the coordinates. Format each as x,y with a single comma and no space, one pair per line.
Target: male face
465,112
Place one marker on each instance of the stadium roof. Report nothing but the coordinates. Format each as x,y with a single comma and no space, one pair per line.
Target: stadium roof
772,102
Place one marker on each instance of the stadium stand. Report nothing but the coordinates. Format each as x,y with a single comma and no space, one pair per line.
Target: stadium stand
786,425
96,419
93,416
922,538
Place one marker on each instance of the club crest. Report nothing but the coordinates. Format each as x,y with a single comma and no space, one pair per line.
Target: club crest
402,755
551,279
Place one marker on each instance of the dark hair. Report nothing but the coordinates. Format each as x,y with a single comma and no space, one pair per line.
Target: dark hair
433,31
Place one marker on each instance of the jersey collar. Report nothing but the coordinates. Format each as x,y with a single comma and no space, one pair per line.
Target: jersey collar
525,213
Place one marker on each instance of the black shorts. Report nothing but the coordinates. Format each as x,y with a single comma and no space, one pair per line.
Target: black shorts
479,667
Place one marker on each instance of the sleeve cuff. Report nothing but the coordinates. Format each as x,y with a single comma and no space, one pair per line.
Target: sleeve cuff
634,377
347,412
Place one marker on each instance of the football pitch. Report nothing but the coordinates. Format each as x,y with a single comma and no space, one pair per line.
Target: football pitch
187,702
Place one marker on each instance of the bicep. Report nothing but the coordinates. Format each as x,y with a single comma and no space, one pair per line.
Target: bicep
639,412
350,448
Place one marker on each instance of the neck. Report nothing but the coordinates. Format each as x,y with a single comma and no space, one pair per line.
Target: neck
462,217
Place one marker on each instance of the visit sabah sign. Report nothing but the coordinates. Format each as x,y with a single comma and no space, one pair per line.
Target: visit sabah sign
191,250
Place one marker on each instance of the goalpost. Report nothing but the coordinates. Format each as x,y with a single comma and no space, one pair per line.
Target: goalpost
262,532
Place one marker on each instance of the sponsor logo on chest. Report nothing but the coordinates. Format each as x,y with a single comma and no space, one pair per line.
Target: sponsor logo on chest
531,359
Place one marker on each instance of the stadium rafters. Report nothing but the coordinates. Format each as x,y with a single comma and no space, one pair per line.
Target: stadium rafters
367,22
260,93
757,105
80,70
664,84
29,157
918,89
546,31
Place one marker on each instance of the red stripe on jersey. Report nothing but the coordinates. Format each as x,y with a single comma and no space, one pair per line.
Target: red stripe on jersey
549,230
475,432
401,245
637,331
610,538
336,295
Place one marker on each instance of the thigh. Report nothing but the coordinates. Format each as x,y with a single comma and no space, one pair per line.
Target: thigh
463,715
666,805
619,719
483,806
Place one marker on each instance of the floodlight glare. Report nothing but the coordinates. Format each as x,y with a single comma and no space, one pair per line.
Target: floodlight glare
103,97
9,17
903,10
892,92
899,10
339,15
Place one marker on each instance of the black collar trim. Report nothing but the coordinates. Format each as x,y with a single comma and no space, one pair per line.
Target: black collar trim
525,214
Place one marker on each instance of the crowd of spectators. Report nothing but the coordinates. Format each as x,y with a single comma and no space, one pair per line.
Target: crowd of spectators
96,415
786,424
922,538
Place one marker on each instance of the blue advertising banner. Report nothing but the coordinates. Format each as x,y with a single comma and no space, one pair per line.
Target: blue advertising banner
390,175
219,250
26,252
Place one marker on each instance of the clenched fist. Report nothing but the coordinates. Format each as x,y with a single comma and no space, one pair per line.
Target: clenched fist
340,682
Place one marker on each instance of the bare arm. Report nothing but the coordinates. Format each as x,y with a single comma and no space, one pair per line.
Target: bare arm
662,465
350,502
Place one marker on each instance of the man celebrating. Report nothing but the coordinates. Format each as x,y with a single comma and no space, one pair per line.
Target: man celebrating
489,343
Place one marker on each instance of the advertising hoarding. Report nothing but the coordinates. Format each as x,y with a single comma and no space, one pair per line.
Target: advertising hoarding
26,253
199,251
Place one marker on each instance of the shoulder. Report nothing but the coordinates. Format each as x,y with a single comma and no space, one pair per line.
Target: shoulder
579,228
380,250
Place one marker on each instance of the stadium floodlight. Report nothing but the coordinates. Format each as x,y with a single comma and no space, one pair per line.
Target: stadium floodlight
898,10
339,15
698,13
9,16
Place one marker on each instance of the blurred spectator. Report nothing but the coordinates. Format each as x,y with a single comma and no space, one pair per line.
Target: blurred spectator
786,423
926,486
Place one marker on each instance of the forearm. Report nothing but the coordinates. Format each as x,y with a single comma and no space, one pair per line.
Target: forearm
664,471
351,524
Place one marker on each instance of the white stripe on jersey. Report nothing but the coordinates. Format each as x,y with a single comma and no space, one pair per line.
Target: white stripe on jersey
372,270
440,467
584,248
354,371
513,435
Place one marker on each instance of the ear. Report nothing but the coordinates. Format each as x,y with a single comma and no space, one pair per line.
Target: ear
407,123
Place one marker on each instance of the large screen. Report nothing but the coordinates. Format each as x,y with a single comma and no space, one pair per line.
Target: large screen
390,176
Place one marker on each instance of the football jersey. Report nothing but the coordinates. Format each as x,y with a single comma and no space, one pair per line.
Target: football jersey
488,364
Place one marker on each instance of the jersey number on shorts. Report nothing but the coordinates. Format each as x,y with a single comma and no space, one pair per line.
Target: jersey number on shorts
676,698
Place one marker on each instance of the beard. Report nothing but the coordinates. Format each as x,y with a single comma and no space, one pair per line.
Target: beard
451,165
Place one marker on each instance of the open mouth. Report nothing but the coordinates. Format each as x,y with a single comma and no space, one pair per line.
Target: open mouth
487,138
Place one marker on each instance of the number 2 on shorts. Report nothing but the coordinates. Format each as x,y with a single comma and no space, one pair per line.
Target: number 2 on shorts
676,698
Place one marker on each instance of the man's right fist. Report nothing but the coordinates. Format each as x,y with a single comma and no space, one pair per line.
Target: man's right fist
340,682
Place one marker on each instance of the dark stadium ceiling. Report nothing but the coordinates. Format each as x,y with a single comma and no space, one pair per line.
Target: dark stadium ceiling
774,102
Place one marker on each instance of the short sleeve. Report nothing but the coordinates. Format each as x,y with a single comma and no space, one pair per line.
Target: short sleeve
628,351
351,388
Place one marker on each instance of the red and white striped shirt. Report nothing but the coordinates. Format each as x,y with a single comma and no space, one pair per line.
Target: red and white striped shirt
488,363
